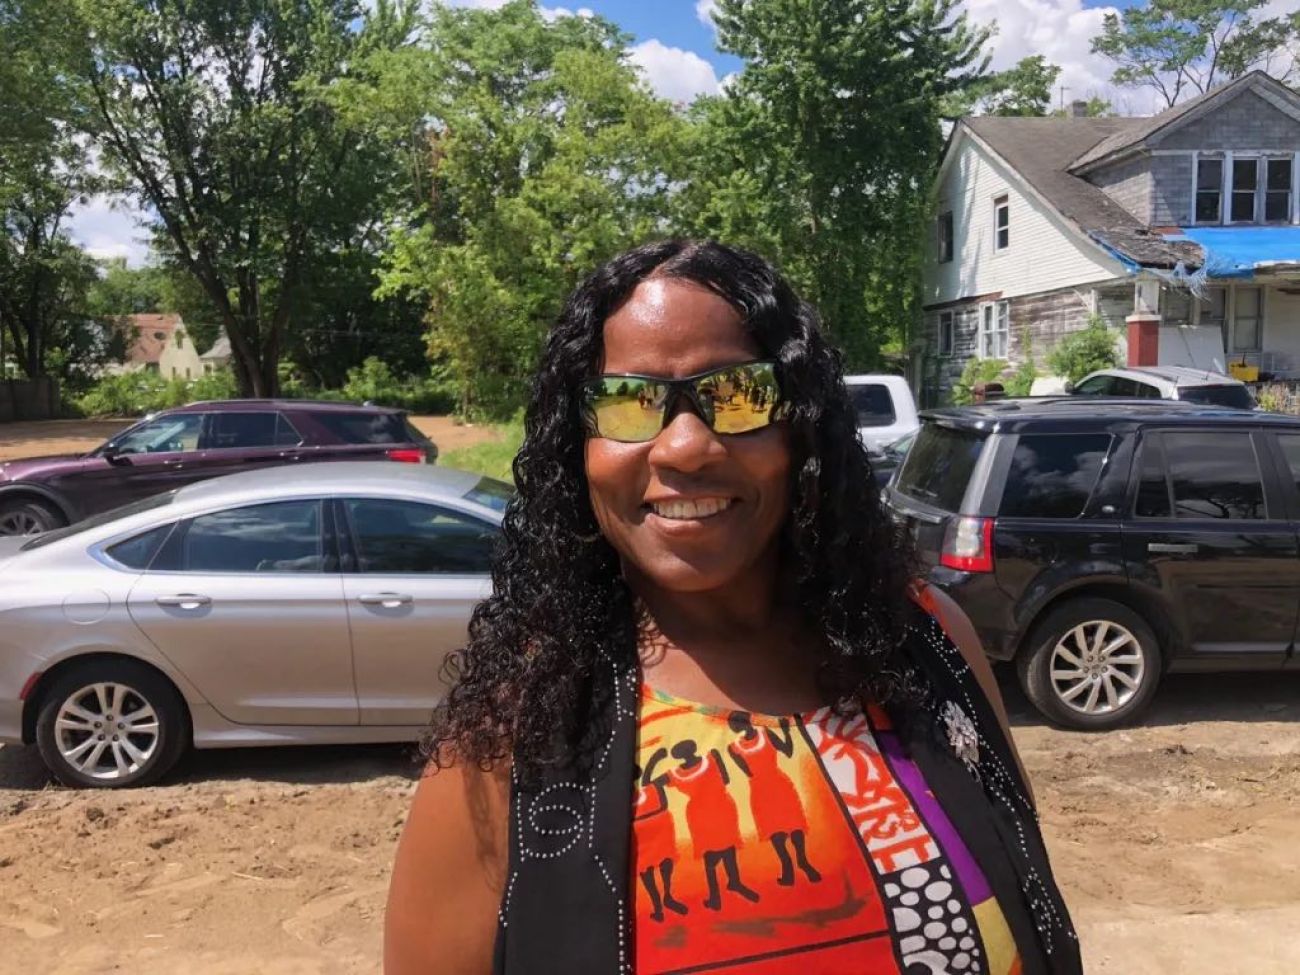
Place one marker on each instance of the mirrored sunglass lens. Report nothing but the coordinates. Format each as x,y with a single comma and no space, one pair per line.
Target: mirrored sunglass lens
628,409
743,398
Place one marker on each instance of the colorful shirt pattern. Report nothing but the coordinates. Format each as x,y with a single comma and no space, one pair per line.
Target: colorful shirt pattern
807,843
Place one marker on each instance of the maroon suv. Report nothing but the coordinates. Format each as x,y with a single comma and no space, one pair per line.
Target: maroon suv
175,447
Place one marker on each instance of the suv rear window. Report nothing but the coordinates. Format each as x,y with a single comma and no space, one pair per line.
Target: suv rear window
1233,396
939,466
371,428
1053,475
874,404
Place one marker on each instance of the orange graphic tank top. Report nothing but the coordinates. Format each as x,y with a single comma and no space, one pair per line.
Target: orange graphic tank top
809,843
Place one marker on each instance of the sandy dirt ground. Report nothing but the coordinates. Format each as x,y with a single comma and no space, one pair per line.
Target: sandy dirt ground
1177,843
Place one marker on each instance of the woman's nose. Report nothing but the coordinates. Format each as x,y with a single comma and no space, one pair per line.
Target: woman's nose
686,443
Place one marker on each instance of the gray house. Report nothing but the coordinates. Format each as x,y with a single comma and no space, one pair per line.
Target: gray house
1182,229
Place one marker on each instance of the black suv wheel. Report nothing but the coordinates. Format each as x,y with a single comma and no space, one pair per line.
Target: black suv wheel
1091,664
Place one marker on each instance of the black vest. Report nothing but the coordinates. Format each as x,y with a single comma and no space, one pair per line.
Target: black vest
567,908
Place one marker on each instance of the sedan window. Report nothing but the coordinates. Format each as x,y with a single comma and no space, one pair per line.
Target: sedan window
283,536
1096,386
407,537
137,552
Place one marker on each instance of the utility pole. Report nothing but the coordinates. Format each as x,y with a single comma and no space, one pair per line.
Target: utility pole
1061,105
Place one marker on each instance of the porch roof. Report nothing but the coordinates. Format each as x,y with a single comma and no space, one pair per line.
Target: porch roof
1244,252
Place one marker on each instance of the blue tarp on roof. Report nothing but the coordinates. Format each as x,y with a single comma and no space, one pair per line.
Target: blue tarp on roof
1242,252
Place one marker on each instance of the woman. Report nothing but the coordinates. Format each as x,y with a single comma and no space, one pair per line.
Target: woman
702,612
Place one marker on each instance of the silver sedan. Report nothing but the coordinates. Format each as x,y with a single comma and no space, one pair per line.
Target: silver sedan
311,605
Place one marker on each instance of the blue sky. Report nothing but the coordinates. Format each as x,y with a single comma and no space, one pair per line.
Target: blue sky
673,44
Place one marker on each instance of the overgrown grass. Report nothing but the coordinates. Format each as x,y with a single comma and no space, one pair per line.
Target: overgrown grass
493,458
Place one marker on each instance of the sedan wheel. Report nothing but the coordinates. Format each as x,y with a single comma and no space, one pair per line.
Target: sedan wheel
106,731
1092,663
111,724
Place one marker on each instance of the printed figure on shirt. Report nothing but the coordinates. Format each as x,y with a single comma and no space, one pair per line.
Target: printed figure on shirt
711,818
773,799
656,839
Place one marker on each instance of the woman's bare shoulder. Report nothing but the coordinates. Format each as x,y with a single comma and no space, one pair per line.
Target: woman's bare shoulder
449,873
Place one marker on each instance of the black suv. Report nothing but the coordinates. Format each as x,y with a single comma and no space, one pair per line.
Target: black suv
1100,543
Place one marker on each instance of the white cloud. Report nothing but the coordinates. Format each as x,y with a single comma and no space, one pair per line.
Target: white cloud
107,228
553,13
1061,31
705,9
674,73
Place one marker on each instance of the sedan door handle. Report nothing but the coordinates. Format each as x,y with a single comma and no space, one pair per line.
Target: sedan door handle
1169,548
389,600
185,600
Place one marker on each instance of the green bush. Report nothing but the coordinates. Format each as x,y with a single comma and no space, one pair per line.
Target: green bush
977,371
1086,351
373,382
1022,380
134,393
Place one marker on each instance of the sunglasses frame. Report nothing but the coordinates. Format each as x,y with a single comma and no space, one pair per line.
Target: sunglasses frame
679,389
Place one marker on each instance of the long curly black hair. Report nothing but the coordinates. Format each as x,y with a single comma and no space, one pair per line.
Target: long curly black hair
529,681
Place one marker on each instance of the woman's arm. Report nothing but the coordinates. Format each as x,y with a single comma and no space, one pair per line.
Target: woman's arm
449,874
960,631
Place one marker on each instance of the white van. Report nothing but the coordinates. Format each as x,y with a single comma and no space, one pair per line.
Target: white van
886,409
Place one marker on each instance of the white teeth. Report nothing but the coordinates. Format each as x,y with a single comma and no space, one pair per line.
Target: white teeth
686,510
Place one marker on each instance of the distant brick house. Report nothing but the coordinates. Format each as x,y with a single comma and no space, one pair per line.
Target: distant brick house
1183,229
161,344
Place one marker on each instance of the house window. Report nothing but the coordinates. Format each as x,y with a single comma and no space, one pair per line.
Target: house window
1277,190
945,333
1001,223
1245,181
995,327
1214,310
1247,319
1209,190
945,237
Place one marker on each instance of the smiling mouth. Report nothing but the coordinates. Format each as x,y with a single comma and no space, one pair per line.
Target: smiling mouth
695,510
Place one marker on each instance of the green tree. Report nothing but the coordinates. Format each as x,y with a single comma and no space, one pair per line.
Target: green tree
1176,47
1022,90
228,120
44,171
536,152
822,152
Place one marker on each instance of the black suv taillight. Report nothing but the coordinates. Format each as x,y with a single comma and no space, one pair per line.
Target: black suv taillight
968,545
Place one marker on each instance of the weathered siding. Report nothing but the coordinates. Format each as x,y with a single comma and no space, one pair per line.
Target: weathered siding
1038,322
1171,190
1246,122
1045,253
941,372
1128,184
1115,304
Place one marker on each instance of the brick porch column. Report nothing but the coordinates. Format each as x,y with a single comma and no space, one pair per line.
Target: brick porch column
1144,324
1143,339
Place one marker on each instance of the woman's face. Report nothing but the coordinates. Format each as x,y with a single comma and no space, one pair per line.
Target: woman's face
655,501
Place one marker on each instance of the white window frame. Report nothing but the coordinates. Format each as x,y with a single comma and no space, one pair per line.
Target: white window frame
951,239
1001,203
1290,160
1196,187
1242,157
1258,346
947,332
994,329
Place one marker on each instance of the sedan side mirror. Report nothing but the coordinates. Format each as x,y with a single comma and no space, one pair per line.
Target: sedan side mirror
1068,387
112,454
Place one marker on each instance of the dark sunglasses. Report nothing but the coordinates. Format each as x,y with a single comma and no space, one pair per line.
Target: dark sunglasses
633,409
